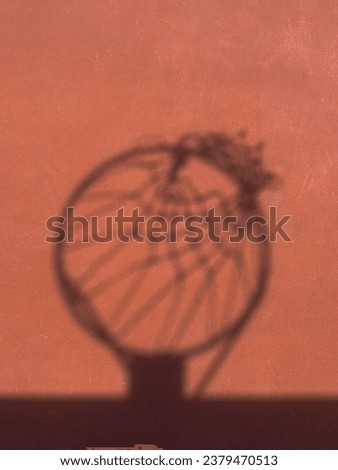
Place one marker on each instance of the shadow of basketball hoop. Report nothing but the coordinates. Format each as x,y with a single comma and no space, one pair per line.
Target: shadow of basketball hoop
157,305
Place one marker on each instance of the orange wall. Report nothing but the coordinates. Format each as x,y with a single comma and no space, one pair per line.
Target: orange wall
82,80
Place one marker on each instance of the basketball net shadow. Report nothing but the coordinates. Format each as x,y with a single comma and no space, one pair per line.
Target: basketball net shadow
126,299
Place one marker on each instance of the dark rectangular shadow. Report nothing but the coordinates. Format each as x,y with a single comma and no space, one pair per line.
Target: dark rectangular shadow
64,423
